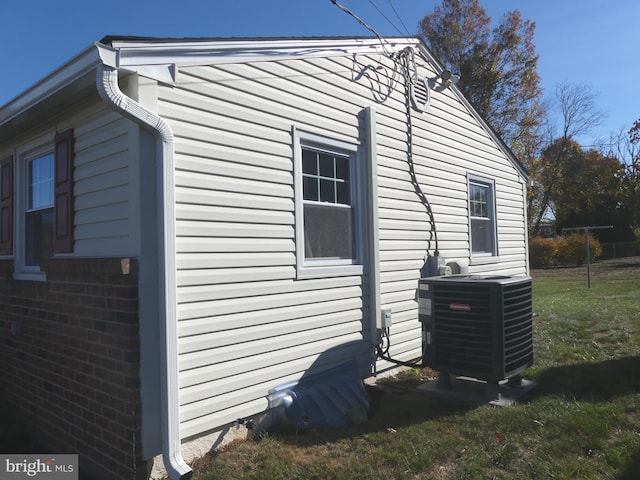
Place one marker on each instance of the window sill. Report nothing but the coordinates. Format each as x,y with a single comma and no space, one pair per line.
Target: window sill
483,260
329,271
30,276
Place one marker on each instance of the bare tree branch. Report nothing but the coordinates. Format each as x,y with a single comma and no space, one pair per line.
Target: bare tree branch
577,106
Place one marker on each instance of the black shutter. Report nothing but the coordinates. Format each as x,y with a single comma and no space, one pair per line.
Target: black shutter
6,206
63,202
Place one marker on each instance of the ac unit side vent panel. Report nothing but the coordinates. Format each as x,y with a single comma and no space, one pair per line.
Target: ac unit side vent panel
518,327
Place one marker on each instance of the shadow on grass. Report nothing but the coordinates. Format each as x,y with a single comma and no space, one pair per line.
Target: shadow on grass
391,404
394,407
391,408
591,381
626,265
632,472
595,382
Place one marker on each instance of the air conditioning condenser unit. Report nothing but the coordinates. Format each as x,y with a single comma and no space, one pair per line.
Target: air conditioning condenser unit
477,326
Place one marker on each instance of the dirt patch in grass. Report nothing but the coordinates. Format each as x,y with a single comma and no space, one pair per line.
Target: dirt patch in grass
408,378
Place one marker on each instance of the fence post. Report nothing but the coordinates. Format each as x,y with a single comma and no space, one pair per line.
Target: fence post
586,233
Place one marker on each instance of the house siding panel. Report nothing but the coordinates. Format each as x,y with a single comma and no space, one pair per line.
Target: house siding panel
239,303
246,323
104,179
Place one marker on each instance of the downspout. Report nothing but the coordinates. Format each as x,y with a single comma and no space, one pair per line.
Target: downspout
109,90
373,231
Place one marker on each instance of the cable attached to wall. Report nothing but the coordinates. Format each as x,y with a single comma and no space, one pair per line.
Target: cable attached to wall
408,65
382,351
416,94
406,61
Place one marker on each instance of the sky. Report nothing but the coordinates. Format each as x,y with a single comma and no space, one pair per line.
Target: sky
591,43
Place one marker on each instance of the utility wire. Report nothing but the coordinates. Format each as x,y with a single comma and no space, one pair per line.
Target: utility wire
399,17
385,17
358,19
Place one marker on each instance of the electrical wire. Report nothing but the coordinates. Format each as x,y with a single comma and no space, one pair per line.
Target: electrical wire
385,17
382,351
399,17
359,20
405,61
409,68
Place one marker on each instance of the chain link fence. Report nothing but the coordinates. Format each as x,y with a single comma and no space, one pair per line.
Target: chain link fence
615,250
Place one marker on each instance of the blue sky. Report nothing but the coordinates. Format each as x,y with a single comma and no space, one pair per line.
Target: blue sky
589,42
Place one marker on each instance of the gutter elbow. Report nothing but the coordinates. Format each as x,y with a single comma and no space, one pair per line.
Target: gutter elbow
176,466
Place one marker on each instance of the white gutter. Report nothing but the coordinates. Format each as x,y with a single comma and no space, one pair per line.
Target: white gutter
109,90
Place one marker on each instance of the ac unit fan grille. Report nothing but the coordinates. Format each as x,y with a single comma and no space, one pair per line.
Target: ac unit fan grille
463,336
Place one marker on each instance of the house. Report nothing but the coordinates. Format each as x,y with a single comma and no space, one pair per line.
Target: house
186,224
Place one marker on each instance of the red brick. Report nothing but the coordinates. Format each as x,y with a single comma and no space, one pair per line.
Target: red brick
80,336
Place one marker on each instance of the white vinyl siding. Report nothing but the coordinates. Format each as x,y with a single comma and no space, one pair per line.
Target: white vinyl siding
247,321
105,185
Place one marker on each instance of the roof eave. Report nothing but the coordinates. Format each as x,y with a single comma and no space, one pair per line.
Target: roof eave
160,59
59,79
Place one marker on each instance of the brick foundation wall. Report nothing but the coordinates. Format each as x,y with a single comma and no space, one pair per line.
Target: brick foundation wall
71,363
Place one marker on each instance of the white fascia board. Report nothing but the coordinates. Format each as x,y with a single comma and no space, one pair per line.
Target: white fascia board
75,68
161,60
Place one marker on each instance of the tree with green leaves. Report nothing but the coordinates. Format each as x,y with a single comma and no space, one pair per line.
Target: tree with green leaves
498,68
587,190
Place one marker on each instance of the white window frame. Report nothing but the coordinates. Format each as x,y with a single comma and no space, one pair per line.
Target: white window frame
307,268
34,149
493,255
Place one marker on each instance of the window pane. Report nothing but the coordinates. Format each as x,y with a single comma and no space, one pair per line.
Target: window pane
310,189
40,172
309,162
326,165
481,236
38,236
343,194
327,191
342,168
478,200
328,232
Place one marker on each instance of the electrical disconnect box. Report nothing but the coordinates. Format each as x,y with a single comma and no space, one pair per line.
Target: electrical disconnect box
386,318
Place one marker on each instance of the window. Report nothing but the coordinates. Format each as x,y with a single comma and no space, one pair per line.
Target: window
38,236
327,206
42,218
482,218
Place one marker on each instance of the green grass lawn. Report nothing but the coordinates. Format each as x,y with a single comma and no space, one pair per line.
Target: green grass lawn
582,421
